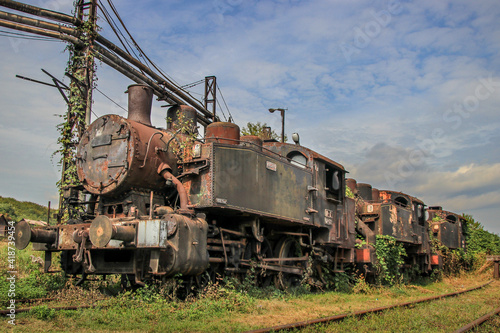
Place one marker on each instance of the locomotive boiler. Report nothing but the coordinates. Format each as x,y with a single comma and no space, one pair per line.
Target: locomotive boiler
154,203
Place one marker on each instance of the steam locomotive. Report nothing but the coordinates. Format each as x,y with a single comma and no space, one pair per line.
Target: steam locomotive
154,203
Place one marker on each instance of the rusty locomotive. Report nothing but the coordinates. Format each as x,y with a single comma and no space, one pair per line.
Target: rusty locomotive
155,203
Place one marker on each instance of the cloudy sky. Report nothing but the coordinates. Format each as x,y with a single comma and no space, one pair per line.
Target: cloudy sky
404,94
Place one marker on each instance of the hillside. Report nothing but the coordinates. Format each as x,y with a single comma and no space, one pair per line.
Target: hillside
18,210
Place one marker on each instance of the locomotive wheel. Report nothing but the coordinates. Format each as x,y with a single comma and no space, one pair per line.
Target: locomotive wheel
288,248
257,251
208,276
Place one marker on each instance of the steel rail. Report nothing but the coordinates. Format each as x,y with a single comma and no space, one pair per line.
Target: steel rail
478,321
57,308
340,317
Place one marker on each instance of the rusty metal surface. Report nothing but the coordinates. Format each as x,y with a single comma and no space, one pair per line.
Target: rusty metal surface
365,191
236,174
478,321
116,154
140,99
285,149
251,141
222,132
352,184
181,116
447,227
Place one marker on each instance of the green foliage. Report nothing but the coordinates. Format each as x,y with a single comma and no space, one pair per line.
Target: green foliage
18,210
258,130
479,240
80,64
43,312
30,281
390,258
348,193
184,138
216,300
454,261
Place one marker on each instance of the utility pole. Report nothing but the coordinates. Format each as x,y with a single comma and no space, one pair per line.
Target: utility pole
81,71
87,12
210,94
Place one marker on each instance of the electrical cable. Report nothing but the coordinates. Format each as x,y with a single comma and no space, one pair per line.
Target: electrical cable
227,108
113,8
121,107
25,36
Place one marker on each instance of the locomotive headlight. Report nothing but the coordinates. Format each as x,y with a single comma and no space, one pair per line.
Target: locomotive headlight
435,228
369,208
197,150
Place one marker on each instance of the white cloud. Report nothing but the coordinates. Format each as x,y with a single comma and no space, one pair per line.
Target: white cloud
370,113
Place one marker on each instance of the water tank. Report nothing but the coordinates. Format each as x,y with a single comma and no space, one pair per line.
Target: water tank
365,191
222,132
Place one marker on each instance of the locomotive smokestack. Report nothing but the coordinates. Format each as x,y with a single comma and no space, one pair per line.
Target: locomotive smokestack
140,99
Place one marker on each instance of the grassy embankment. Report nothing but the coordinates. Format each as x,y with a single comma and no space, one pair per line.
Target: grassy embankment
236,308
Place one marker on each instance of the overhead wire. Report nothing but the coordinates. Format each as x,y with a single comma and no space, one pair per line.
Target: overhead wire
121,107
136,45
227,108
27,36
121,37
113,27
143,54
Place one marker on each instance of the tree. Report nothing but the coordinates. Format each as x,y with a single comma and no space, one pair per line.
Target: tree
257,129
480,240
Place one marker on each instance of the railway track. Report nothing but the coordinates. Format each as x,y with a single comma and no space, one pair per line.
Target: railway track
41,301
340,317
478,321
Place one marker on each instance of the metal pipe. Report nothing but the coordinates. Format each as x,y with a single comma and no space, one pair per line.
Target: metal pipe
38,23
66,34
41,32
183,98
33,10
183,196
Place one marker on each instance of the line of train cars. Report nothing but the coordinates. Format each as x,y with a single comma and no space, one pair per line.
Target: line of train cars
154,203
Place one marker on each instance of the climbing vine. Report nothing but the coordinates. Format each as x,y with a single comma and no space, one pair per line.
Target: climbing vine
185,129
73,124
454,260
390,258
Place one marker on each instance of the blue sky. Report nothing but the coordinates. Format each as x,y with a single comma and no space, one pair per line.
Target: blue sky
404,94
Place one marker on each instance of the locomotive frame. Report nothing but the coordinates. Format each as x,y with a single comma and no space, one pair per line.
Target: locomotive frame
160,203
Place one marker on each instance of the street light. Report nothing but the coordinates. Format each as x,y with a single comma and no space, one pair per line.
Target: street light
282,122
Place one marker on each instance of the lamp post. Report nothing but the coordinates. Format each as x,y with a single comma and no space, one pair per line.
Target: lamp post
282,122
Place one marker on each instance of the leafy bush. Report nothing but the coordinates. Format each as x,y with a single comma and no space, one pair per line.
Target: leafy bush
43,312
390,258
479,240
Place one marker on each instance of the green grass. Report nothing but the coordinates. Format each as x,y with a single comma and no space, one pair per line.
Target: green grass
31,282
445,315
18,210
236,307
225,309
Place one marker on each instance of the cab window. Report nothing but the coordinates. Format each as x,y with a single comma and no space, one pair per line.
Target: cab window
333,183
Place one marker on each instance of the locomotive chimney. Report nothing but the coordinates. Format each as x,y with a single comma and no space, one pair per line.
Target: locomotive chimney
140,99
